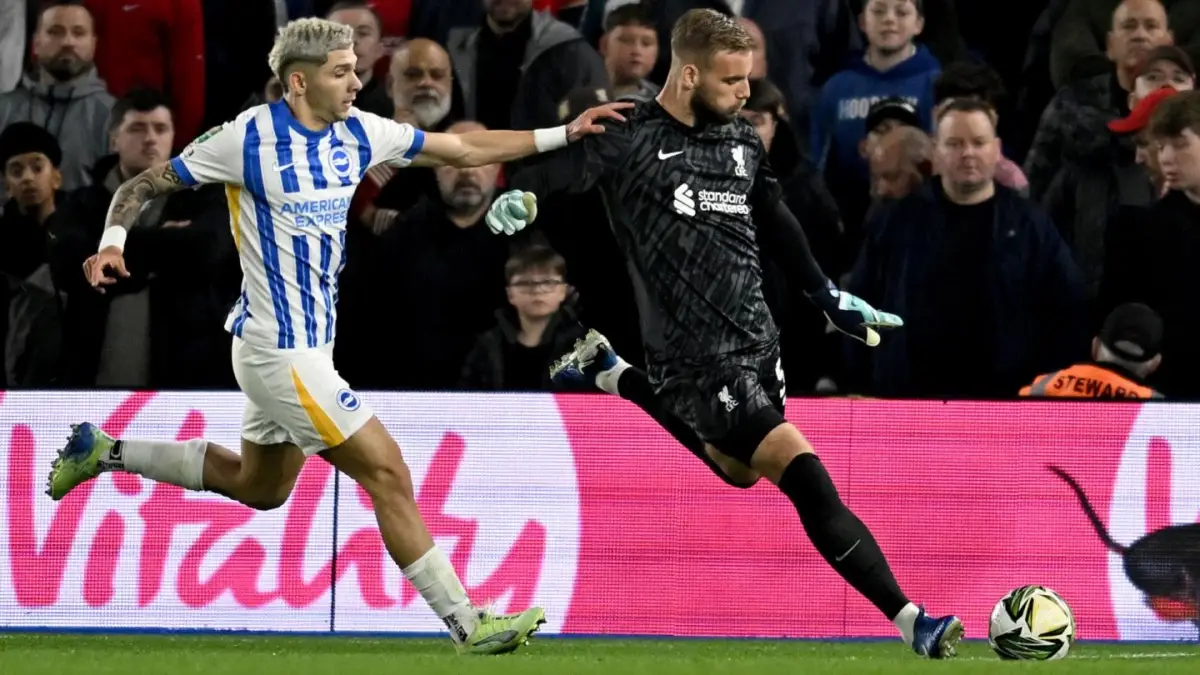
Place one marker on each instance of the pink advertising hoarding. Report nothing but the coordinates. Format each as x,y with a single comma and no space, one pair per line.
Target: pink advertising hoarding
581,504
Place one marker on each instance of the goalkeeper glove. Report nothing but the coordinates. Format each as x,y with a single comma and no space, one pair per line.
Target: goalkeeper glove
852,315
511,212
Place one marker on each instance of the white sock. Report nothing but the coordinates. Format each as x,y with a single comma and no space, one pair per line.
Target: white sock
434,578
905,621
177,463
608,379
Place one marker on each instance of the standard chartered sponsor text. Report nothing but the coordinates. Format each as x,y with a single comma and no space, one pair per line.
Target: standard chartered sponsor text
723,202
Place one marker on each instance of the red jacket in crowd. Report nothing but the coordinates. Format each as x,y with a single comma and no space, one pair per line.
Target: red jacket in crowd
158,44
393,14
551,6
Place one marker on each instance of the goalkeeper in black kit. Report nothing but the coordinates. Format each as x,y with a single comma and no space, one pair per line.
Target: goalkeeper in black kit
685,183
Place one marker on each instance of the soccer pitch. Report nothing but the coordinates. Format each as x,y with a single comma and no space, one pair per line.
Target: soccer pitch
29,654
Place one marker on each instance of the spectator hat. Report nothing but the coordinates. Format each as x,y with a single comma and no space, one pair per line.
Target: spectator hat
1168,53
1133,332
22,138
1139,117
892,108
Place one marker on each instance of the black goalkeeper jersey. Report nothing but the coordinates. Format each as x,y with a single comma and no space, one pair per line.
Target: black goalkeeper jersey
680,200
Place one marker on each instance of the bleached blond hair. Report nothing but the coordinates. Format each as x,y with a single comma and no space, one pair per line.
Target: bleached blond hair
307,41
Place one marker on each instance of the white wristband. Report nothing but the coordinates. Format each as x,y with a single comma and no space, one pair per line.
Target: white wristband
546,140
113,236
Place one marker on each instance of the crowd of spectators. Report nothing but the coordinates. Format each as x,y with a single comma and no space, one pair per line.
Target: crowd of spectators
1072,244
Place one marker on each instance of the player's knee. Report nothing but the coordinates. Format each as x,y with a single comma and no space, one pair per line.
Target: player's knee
777,450
264,492
743,483
271,504
739,475
267,497
735,473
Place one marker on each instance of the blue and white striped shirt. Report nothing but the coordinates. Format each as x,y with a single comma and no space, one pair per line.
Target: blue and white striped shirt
289,191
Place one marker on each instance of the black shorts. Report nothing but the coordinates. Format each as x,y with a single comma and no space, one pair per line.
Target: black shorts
732,402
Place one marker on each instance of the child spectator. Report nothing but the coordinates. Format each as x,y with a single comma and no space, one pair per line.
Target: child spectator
893,65
539,326
31,310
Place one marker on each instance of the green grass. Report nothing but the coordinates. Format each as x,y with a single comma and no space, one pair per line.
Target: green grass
29,654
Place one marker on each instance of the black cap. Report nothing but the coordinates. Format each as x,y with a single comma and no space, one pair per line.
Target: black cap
1133,332
22,138
1168,53
892,108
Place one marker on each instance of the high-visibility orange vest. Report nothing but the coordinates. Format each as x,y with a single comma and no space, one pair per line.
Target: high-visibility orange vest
1088,380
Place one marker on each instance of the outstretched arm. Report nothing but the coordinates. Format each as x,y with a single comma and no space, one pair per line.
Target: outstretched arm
477,148
784,237
781,235
575,169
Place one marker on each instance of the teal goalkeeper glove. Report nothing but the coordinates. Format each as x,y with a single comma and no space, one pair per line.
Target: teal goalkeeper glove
511,212
852,315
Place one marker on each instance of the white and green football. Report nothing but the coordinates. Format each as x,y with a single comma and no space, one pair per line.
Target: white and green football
1032,623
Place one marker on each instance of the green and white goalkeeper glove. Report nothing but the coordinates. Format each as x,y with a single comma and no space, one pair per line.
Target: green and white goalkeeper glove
852,315
511,212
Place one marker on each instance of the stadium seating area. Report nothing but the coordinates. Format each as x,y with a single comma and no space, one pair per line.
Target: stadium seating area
846,96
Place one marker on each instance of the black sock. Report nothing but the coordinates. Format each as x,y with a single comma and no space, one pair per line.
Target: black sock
836,532
634,386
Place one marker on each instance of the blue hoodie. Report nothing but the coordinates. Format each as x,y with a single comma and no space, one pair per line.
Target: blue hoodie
840,117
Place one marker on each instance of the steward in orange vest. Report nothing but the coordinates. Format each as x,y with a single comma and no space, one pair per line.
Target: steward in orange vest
1124,353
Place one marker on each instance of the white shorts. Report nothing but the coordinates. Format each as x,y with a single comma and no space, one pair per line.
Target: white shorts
296,396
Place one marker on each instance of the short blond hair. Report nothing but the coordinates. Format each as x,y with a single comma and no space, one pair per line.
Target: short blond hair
701,33
307,41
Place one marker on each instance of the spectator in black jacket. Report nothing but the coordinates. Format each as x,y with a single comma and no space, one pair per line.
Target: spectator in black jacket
439,271
1159,259
989,292
538,325
161,327
517,66
30,301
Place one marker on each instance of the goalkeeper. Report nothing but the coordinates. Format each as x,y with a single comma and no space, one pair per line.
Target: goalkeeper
680,180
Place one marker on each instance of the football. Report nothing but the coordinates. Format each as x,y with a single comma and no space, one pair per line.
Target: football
1032,623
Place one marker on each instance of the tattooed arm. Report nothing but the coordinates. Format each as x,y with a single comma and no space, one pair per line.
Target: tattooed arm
133,194
127,203
214,157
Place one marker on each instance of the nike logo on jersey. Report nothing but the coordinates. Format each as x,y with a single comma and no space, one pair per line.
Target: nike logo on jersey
668,155
285,167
